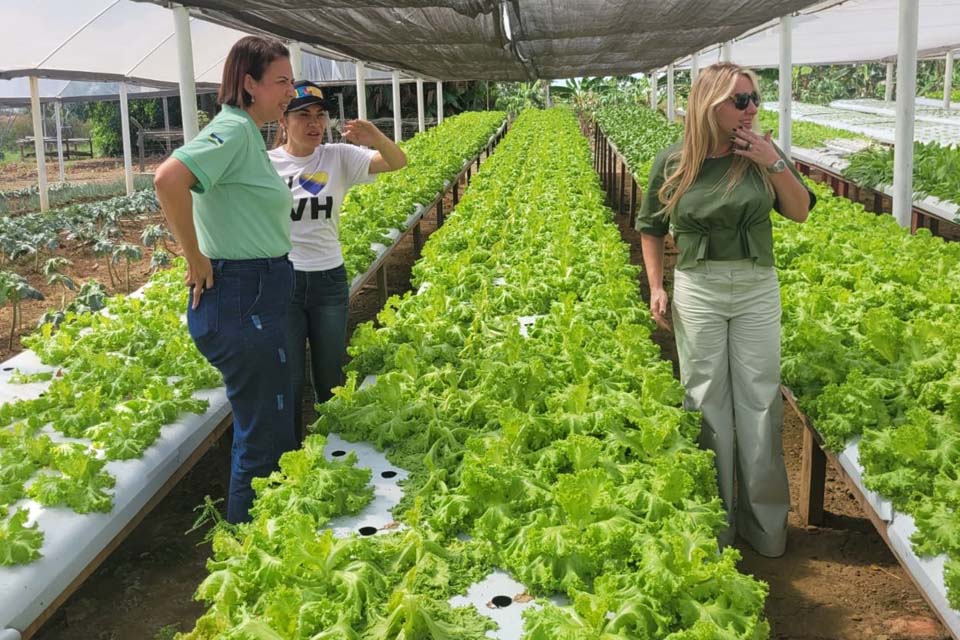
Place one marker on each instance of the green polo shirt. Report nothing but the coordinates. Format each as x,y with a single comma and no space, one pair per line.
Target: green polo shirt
241,209
710,223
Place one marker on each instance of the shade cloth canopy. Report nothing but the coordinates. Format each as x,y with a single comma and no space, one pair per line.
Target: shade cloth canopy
503,40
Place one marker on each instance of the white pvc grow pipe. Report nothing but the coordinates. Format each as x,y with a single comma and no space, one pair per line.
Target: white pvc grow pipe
188,86
420,119
361,90
786,83
38,145
125,133
397,115
906,107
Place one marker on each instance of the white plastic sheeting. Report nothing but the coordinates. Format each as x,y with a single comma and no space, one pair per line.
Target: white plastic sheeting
854,31
120,40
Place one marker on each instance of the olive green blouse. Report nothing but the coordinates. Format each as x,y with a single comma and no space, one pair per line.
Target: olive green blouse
710,223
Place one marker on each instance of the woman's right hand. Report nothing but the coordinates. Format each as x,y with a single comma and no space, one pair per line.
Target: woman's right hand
199,276
658,308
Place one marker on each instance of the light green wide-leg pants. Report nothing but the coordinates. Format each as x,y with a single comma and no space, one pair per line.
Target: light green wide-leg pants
727,321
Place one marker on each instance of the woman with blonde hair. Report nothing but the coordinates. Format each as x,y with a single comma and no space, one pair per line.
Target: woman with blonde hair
715,191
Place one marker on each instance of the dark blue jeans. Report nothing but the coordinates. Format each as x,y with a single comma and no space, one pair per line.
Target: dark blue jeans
240,327
318,314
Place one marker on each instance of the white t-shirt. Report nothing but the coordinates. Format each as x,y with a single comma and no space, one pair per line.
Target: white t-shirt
319,183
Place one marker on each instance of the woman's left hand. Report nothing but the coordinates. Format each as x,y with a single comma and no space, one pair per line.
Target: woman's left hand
760,149
361,132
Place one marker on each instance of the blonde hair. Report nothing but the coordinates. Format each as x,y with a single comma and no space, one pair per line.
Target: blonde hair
702,133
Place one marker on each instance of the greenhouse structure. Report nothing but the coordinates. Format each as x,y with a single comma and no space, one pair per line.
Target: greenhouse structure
511,453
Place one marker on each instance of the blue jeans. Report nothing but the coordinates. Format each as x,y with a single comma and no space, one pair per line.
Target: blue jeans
318,314
240,327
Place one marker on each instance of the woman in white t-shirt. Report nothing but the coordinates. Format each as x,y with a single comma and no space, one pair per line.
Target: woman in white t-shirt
319,176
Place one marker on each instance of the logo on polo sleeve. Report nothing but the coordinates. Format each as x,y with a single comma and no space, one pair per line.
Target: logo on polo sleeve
215,139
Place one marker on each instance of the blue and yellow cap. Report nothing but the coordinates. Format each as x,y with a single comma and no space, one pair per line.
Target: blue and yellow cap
308,94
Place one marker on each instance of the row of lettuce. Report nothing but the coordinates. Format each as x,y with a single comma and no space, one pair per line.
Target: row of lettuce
561,456
121,375
871,350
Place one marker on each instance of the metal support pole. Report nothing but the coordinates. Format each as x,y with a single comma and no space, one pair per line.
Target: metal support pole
420,119
671,110
439,101
361,90
694,67
948,80
38,145
125,132
547,101
726,52
653,90
888,86
166,122
188,86
397,115
296,60
56,113
906,108
786,82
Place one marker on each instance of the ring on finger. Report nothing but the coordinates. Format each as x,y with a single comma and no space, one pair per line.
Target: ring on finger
749,144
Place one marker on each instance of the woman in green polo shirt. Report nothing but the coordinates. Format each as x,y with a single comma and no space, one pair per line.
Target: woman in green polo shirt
230,212
714,191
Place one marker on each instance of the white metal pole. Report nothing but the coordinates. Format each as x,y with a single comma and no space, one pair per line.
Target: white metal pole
397,115
786,82
653,90
166,122
439,101
694,67
547,100
420,122
361,90
188,86
906,107
38,145
296,60
59,120
948,80
125,132
888,87
726,52
671,106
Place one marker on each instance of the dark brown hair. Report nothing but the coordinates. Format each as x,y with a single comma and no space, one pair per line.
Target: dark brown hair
251,54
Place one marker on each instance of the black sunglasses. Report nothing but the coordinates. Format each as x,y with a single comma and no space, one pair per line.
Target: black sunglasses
741,100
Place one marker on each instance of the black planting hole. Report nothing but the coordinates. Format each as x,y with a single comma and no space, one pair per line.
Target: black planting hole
8,368
338,453
502,601
388,474
43,393
367,531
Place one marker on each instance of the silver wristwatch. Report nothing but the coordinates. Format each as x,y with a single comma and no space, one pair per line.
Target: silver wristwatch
777,166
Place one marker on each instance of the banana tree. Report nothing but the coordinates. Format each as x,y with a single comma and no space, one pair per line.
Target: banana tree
14,288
